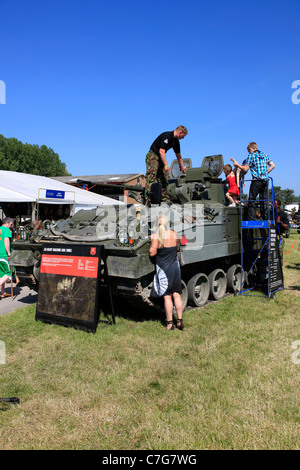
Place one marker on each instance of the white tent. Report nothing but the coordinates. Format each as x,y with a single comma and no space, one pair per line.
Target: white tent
22,187
289,207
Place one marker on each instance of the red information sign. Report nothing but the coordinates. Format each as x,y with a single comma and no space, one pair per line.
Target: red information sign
70,265
68,287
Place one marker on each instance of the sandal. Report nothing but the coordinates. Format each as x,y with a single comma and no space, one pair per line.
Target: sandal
180,324
170,323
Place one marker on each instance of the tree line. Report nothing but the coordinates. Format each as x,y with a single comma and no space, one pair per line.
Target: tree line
28,158
286,196
43,161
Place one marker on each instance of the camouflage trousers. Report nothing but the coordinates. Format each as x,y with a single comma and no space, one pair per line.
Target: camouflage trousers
156,173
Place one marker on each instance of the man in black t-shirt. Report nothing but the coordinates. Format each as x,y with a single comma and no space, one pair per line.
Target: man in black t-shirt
156,161
282,218
282,222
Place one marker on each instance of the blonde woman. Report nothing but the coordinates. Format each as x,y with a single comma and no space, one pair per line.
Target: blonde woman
167,278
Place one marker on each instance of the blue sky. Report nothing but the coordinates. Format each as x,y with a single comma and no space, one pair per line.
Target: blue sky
97,81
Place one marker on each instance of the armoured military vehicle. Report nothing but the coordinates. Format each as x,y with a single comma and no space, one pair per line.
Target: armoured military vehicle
198,211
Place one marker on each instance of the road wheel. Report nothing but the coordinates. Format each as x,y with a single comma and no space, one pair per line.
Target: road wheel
198,290
234,274
218,284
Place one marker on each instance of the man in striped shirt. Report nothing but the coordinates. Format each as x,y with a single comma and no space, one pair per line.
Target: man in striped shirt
260,166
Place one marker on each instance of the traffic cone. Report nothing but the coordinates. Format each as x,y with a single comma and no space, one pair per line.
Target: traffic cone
287,252
292,246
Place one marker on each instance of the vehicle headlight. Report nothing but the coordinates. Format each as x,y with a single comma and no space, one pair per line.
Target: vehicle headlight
123,237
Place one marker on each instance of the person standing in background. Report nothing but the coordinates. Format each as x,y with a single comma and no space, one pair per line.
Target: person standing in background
5,250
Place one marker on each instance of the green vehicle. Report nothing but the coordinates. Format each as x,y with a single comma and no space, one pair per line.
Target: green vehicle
208,229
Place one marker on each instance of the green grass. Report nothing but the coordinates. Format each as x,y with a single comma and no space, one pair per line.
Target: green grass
226,382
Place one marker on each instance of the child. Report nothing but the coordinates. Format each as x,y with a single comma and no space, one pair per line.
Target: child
233,191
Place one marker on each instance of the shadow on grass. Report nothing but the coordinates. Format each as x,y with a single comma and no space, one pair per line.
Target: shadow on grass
295,266
130,311
293,288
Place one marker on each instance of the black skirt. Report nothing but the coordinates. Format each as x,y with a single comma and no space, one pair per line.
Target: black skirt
167,278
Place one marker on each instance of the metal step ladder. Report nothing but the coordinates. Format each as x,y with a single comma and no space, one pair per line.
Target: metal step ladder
261,265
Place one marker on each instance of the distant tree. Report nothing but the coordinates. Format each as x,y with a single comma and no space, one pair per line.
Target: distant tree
286,196
28,158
